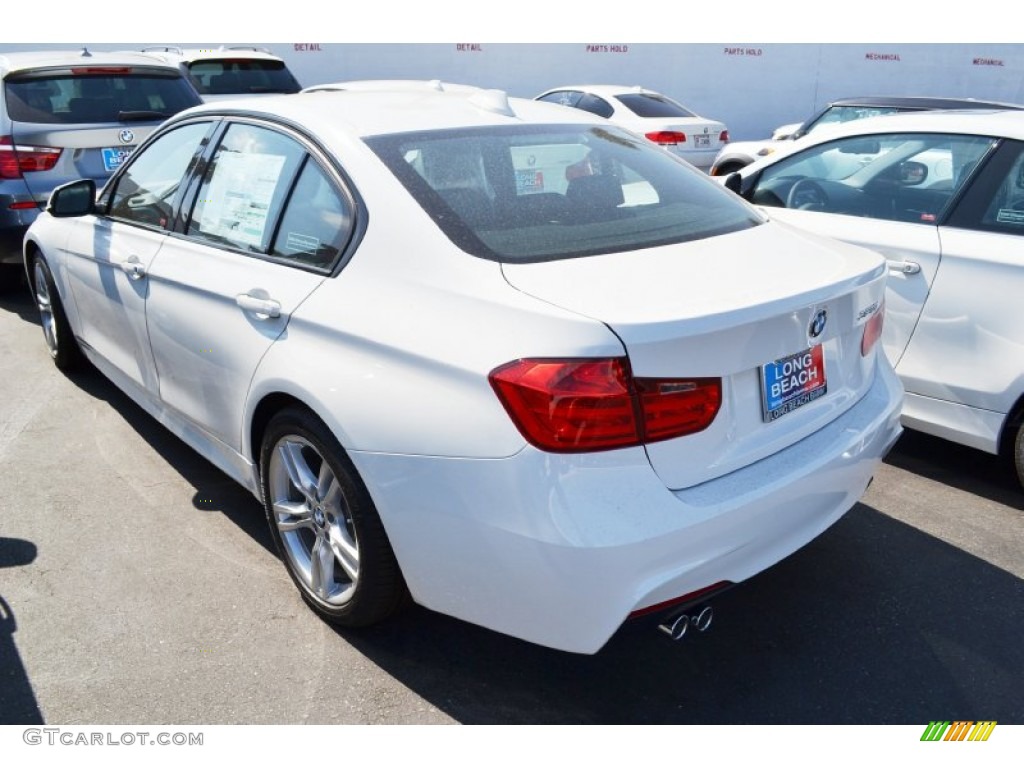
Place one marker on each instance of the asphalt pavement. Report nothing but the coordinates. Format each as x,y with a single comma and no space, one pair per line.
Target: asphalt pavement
138,585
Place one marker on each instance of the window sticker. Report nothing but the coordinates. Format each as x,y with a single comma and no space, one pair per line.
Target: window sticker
1010,216
238,200
299,243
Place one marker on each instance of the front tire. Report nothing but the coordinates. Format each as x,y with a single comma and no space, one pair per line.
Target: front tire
325,525
60,341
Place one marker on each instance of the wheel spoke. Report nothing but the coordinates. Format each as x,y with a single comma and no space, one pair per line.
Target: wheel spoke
325,481
321,568
292,515
299,473
345,551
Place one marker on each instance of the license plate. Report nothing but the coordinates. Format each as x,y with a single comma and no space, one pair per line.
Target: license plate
701,141
791,382
114,157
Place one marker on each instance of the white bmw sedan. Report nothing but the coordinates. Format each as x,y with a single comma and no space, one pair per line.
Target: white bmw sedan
941,196
527,369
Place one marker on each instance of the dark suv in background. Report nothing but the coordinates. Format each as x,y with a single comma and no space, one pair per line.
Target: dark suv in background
72,115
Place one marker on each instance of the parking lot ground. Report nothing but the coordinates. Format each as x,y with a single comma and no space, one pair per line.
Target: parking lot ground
138,586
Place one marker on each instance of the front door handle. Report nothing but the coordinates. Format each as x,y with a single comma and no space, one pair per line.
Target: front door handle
263,308
133,268
904,267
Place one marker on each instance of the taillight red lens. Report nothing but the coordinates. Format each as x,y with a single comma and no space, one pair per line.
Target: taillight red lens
872,330
667,137
676,408
724,137
25,158
591,405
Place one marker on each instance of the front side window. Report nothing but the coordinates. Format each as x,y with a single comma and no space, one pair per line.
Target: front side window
533,193
145,192
900,177
119,94
844,114
245,187
563,98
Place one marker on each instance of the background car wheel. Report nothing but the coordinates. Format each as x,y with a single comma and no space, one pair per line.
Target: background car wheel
325,524
1018,453
11,277
56,331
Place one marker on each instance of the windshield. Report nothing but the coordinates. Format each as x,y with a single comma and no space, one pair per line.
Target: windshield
97,98
218,77
534,193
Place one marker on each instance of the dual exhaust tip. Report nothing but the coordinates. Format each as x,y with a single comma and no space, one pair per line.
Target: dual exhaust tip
677,627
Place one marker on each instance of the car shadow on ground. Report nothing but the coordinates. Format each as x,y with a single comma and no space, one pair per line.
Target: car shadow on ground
873,622
214,491
979,473
18,705
18,300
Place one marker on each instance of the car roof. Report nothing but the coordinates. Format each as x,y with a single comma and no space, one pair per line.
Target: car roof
171,52
922,102
373,112
979,122
604,90
392,85
20,61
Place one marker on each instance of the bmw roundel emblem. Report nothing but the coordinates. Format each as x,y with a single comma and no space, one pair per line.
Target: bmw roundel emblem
126,136
818,324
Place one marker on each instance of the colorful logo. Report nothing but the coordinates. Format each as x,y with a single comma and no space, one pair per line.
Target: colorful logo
959,730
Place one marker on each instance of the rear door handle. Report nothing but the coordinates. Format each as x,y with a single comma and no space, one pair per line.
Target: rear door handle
133,268
904,267
263,308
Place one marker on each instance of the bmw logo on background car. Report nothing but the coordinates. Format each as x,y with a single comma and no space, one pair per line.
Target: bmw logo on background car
126,136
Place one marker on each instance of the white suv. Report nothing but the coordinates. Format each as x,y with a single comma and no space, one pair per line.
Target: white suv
229,71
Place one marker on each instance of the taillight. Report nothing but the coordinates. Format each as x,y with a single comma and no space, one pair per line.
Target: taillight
667,137
568,406
16,159
872,330
724,137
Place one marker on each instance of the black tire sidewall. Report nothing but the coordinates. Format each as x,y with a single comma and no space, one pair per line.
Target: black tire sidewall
67,356
380,589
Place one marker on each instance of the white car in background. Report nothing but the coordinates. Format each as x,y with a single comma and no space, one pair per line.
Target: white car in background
227,72
741,153
451,368
941,196
392,85
663,121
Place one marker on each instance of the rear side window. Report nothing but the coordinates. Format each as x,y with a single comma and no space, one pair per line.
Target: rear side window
221,77
653,105
536,193
113,96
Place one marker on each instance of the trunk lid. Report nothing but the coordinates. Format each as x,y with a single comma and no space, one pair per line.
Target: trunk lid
728,307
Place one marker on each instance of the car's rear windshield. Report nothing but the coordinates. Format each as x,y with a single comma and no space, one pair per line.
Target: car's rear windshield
97,95
220,77
653,105
538,193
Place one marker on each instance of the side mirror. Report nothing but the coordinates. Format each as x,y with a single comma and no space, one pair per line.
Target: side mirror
912,173
734,183
78,198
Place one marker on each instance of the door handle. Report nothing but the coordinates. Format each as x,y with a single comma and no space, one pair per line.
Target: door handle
263,308
904,267
133,268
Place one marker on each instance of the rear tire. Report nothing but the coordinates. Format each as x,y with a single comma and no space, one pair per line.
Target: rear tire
60,341
325,525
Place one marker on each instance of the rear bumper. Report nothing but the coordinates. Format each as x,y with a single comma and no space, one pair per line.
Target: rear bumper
560,550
